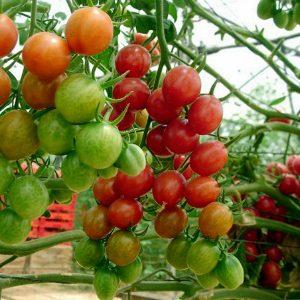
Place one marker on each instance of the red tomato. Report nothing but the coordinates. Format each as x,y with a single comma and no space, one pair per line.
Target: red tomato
178,160
181,86
124,213
104,192
293,163
5,84
209,158
155,141
140,38
126,122
280,120
274,253
251,252
253,211
179,138
289,184
275,237
251,235
135,186
201,191
168,188
89,31
159,110
46,55
270,274
139,94
279,214
277,169
265,204
8,35
205,114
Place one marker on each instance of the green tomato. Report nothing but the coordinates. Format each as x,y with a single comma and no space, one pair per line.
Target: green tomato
291,22
108,172
6,175
296,13
130,273
79,98
136,137
61,196
208,281
265,9
281,19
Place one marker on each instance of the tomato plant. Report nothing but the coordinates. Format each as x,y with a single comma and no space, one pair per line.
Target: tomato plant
8,35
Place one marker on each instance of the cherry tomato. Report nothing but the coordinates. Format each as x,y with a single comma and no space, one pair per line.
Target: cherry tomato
89,31
104,191
275,237
124,213
277,169
181,86
139,94
280,120
205,114
140,38
289,184
135,186
279,214
265,204
293,163
168,188
126,122
8,35
178,160
251,252
170,222
201,191
209,158
46,55
270,274
141,118
251,235
5,84
274,254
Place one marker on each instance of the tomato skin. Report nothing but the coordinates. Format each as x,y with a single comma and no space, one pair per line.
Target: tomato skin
137,100
8,35
208,280
178,160
140,38
124,213
179,138
215,220
280,120
251,252
170,222
201,191
126,122
277,168
293,162
205,114
181,86
270,274
104,191
274,254
275,236
6,175
141,118
159,110
209,158
265,204
168,188
89,31
134,186
130,273
5,86
289,184
251,235
46,55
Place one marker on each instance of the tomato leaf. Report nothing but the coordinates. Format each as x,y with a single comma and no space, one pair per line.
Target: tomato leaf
179,3
143,4
277,101
173,11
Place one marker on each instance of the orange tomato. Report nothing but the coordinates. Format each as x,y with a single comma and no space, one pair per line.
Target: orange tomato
8,35
141,118
5,86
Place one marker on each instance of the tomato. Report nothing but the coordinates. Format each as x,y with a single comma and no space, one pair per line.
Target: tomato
95,222
251,252
179,138
215,220
104,192
109,172
265,204
77,176
141,118
296,13
99,145
61,196
230,272
170,222
275,237
89,253
159,110
134,186
6,175
277,169
126,122
208,280
139,94
203,256
155,142
209,158
28,196
122,248
291,24
46,55
140,38
181,86
168,188
281,18
251,235
201,191
132,160
265,9
205,114
293,163
8,35
5,84
274,253
289,184
177,252
89,31
280,120
78,99
270,274
56,135
130,273
178,160
18,135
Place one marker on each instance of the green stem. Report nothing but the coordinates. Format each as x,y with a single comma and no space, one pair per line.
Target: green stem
8,260
33,17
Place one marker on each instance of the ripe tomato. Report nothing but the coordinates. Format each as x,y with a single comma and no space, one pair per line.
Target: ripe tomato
293,163
140,38
279,213
205,114
170,222
280,120
126,122
134,186
275,237
40,94
159,110
289,184
46,55
215,220
209,158
89,31
179,138
270,274
181,86
104,191
8,35
95,222
251,235
5,84
168,188
201,191
137,100
178,160
265,204
277,169
274,254
251,252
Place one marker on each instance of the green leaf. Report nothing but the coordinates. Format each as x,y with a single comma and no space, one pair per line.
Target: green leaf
13,79
179,3
60,15
173,11
277,101
145,5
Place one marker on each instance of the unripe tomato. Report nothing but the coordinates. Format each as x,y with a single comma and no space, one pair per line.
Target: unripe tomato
208,280
168,188
265,9
46,55
130,273
201,191
209,158
274,254
8,35
5,85
281,19
251,252
170,222
291,24
277,169
104,191
296,13
141,118
289,184
270,274
265,204
178,160
89,31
